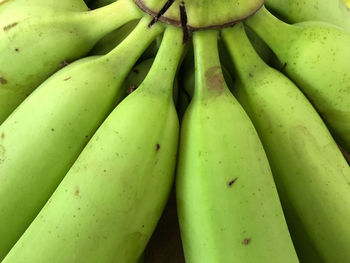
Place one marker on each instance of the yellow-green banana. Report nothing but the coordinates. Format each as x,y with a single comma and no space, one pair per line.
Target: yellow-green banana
311,174
347,2
41,140
229,210
315,56
294,11
113,39
137,75
109,203
58,36
99,3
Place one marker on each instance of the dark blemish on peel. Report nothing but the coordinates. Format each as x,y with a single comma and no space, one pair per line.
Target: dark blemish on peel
158,147
8,27
67,78
246,241
77,192
2,135
250,75
52,129
3,81
136,71
131,89
16,49
284,66
215,79
230,183
63,64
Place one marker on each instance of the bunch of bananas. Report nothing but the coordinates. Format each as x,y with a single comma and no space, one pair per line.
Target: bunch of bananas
90,138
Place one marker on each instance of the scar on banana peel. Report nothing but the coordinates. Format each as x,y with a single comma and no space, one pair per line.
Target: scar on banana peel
8,27
3,81
214,79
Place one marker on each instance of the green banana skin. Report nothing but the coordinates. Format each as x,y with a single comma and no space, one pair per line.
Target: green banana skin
332,11
311,174
109,203
229,210
55,123
99,3
188,77
73,5
137,75
316,58
113,39
261,48
59,35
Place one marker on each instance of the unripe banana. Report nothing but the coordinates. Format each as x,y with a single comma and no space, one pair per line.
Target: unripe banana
108,204
316,57
60,36
261,48
113,39
41,140
229,210
332,11
99,3
347,2
311,174
137,75
73,5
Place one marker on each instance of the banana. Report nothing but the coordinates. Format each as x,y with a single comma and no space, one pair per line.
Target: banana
60,36
332,11
311,174
347,2
99,3
137,75
109,202
113,39
316,58
261,48
72,5
183,102
41,140
188,77
229,210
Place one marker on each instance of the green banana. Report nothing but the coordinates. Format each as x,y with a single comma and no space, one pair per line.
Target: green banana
182,104
316,58
332,11
188,77
261,48
229,210
60,35
113,39
137,75
72,5
311,174
41,140
109,202
99,3
347,2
